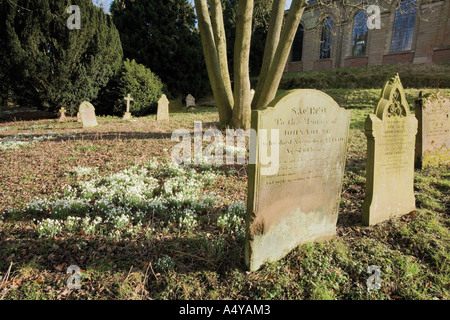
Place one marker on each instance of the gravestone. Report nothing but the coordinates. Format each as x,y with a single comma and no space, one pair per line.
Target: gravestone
391,133
433,137
87,115
127,115
163,109
190,103
78,117
294,198
62,115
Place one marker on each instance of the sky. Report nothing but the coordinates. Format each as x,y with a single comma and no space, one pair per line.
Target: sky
107,3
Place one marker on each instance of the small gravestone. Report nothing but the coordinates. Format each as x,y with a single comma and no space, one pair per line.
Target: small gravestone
190,103
87,115
62,115
294,197
433,137
127,115
391,134
163,109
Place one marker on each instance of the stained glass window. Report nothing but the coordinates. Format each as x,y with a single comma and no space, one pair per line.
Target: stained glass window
297,47
326,38
405,18
359,38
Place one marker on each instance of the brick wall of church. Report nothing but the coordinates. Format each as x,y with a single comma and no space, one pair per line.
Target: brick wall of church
430,41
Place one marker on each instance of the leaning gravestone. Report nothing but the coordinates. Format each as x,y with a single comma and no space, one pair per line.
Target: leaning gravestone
391,134
190,103
163,109
87,115
295,199
433,137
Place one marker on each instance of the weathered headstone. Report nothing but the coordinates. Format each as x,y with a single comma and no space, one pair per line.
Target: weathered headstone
391,133
127,115
163,109
87,115
190,103
433,137
295,200
62,115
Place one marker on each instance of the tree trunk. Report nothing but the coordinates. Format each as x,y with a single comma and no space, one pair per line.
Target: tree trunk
235,110
221,44
224,101
272,41
242,90
273,77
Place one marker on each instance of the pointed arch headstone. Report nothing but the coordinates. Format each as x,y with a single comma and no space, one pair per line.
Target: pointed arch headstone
391,133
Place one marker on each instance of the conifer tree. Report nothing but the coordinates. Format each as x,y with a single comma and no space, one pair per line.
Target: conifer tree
51,65
162,35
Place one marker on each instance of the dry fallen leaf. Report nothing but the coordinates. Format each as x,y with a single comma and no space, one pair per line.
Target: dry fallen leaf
60,267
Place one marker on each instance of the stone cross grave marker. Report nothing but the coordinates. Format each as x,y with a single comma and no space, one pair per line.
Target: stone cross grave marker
391,133
190,103
163,109
433,137
87,115
62,115
295,199
127,115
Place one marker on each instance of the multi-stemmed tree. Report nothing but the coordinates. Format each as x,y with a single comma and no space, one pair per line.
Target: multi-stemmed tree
233,95
235,102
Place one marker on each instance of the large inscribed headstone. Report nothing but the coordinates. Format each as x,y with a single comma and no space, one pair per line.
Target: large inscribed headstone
87,115
433,137
163,109
391,133
294,197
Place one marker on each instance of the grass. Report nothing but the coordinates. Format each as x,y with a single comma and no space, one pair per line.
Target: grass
426,75
169,232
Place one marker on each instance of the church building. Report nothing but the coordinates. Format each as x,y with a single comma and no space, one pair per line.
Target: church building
371,33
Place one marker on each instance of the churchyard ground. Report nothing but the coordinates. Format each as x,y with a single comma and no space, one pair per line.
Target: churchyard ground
110,201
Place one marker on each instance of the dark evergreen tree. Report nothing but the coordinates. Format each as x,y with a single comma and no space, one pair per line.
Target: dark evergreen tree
135,79
4,87
162,35
51,66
